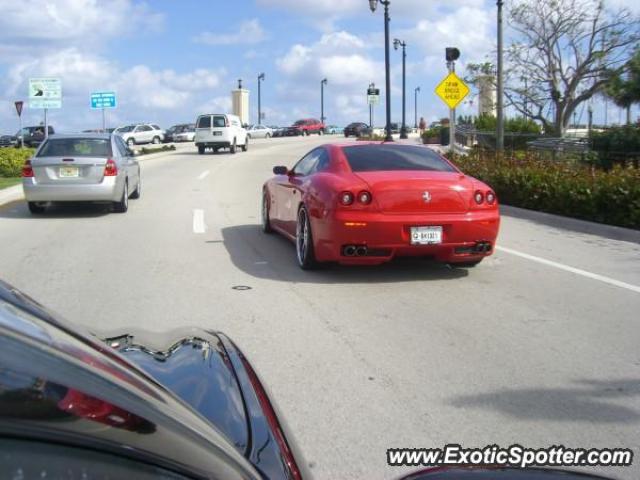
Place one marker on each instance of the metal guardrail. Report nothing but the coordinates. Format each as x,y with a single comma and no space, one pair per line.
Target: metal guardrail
567,144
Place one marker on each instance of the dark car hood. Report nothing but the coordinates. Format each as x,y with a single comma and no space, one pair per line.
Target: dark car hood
194,365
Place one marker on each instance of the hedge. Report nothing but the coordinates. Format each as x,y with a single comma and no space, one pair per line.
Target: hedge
12,160
574,190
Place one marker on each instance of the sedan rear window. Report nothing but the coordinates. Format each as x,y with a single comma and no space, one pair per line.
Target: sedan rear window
76,147
372,158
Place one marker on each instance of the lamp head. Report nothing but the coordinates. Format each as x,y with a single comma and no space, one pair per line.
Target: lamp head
261,76
396,43
373,4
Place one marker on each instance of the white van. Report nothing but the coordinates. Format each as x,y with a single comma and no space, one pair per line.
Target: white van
220,130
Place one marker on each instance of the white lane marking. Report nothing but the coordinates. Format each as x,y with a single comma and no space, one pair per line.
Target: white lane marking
204,175
198,221
567,268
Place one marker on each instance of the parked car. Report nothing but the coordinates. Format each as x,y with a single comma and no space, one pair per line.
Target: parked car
259,131
33,136
9,141
82,168
355,129
138,405
334,130
305,127
220,130
412,200
186,134
172,134
278,131
141,133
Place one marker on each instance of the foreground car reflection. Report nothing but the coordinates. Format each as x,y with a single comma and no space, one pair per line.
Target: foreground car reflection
184,404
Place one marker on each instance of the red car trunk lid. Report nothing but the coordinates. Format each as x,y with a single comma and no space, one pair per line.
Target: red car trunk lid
416,192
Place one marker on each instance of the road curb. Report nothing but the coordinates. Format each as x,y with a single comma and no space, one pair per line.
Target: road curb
577,225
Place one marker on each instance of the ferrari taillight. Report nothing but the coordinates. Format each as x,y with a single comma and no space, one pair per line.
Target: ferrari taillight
478,197
364,197
346,198
490,197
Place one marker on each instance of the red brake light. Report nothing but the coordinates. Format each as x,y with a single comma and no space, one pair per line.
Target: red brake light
478,197
364,197
27,169
346,198
491,197
110,169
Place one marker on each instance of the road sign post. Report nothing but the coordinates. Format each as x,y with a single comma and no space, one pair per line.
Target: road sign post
45,93
452,91
19,104
373,98
102,101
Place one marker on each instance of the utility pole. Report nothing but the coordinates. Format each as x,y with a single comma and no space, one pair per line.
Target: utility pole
322,84
260,78
500,86
415,92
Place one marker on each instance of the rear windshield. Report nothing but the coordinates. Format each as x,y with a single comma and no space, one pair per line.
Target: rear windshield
76,147
373,158
204,122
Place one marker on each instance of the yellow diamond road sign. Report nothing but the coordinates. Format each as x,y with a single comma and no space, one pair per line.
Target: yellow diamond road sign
452,90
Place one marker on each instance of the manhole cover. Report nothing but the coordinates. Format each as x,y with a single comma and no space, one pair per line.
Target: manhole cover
241,287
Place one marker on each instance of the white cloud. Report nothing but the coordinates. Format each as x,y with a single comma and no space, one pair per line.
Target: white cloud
88,21
143,94
249,32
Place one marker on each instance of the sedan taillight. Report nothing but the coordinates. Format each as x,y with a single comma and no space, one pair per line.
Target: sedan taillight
110,169
27,169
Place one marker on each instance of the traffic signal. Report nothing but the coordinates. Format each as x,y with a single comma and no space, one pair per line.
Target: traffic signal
452,54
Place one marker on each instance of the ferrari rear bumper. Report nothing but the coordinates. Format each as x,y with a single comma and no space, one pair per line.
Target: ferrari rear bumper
378,238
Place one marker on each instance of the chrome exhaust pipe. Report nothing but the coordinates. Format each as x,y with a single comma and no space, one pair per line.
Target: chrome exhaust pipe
349,250
361,251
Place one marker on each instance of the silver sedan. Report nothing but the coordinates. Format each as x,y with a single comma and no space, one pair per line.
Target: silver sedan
259,131
82,168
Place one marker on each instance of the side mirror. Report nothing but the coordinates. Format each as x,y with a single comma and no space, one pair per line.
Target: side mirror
280,170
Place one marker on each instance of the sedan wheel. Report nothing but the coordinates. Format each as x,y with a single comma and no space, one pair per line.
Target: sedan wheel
156,140
304,241
266,222
138,191
131,142
123,205
234,147
36,207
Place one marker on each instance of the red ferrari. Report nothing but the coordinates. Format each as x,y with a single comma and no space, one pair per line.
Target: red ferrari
366,203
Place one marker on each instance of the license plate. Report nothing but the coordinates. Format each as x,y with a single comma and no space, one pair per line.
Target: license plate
69,172
217,134
426,235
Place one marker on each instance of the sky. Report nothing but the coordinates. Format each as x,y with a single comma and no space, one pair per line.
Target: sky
169,61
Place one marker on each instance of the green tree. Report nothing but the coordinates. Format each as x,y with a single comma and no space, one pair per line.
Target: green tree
562,56
624,84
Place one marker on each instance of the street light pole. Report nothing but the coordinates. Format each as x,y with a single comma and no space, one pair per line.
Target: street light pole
322,84
260,78
500,86
373,4
397,43
415,92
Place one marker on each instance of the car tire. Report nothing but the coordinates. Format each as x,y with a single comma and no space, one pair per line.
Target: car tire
138,192
155,140
201,149
245,147
265,220
36,207
123,205
320,132
465,264
131,142
248,136
304,241
233,148
267,135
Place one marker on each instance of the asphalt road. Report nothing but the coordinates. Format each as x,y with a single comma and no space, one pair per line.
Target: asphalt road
539,345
